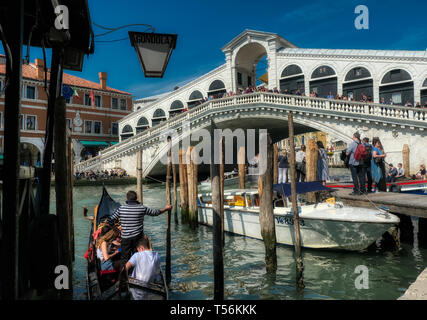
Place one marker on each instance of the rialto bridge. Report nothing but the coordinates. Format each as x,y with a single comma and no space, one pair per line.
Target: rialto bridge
398,76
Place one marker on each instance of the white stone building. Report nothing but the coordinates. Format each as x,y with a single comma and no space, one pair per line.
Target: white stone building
397,75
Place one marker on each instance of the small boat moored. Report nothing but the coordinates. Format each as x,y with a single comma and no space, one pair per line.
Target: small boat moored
325,225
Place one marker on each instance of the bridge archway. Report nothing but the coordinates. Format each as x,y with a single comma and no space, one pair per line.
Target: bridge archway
278,129
246,61
176,108
397,85
158,117
195,99
127,132
142,125
292,80
324,81
358,82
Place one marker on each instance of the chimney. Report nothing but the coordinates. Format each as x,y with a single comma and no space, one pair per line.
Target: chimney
40,69
103,80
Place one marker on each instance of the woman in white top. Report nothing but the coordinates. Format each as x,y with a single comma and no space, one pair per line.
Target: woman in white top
104,250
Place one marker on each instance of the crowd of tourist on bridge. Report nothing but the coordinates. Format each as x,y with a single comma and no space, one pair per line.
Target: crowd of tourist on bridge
252,89
100,174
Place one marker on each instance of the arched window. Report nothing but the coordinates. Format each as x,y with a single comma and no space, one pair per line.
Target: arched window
291,70
127,132
142,125
158,117
358,85
357,74
217,89
397,87
292,80
324,82
195,99
323,71
176,108
396,75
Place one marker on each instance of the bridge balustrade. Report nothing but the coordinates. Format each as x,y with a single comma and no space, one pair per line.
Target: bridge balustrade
386,112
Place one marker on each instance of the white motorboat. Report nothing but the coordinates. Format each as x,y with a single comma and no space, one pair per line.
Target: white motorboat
325,225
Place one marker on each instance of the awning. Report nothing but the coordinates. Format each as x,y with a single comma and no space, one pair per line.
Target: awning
302,187
87,143
114,142
264,78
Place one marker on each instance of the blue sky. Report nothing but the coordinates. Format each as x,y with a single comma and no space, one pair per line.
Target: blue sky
204,27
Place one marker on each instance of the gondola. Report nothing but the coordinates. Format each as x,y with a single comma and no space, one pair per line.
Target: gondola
116,285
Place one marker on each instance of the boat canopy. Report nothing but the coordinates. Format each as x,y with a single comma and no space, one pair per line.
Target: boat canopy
302,187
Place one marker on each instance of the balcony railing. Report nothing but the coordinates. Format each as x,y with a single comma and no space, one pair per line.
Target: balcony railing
351,109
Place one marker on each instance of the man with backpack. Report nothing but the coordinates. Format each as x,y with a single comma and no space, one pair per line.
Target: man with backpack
357,153
367,163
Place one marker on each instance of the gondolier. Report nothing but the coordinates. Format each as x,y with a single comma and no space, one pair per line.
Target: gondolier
131,217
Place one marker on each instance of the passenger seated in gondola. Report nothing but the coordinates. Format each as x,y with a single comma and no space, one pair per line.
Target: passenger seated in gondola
108,249
145,262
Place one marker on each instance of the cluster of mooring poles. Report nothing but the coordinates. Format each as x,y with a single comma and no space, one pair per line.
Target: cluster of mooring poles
188,181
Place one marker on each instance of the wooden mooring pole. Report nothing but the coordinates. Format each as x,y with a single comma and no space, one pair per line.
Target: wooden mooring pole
221,184
139,178
70,156
192,173
10,277
217,223
168,217
312,153
175,194
297,243
241,165
62,193
183,186
406,163
266,215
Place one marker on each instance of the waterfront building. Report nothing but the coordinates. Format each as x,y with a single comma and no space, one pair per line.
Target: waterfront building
93,127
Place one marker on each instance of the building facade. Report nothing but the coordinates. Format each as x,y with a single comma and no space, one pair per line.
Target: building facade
92,126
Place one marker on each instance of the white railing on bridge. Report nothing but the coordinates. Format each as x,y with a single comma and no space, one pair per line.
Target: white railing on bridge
417,116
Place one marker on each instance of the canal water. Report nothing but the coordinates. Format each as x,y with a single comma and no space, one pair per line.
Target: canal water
327,274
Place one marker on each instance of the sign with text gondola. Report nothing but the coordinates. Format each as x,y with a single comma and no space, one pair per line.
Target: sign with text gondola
153,50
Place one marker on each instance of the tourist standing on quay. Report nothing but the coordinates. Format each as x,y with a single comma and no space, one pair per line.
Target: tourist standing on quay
300,164
283,167
377,165
322,164
367,163
356,166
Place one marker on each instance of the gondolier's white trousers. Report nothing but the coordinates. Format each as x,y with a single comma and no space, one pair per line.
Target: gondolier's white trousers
282,175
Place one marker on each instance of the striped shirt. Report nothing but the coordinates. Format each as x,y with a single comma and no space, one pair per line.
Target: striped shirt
131,217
